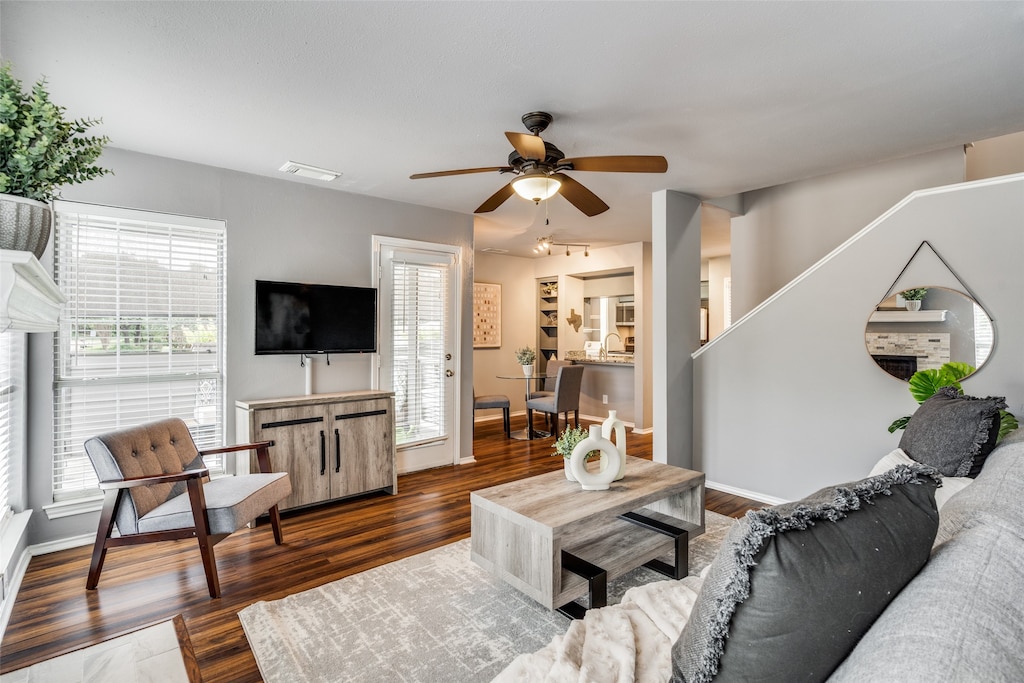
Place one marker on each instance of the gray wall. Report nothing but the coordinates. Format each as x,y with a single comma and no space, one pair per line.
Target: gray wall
276,229
788,401
785,229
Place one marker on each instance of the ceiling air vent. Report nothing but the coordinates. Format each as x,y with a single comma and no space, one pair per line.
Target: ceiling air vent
495,250
307,171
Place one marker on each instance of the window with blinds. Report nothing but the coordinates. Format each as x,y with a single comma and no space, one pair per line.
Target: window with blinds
12,405
141,336
418,331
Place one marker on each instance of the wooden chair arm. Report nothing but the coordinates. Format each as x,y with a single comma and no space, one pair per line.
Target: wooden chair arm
237,447
262,449
132,482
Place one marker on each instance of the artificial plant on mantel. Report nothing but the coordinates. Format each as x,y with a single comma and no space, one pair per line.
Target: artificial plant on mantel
40,152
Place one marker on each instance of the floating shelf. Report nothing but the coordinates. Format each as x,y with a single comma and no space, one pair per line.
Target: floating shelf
936,316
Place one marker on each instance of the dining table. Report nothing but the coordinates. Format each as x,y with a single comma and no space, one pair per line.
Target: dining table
523,434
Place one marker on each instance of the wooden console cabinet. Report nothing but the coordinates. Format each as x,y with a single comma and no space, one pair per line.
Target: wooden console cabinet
332,445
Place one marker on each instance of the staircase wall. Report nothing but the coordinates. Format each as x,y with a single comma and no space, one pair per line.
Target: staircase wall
788,400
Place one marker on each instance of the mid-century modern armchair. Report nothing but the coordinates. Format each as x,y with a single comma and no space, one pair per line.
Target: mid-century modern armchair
170,495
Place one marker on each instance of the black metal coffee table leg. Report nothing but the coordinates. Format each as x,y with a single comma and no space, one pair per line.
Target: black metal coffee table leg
681,538
597,585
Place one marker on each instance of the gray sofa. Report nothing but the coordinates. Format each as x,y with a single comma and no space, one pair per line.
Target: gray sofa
962,617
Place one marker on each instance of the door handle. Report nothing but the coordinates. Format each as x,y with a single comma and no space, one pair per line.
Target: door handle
323,453
449,373
447,356
337,451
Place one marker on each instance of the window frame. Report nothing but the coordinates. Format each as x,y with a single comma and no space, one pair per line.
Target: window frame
156,379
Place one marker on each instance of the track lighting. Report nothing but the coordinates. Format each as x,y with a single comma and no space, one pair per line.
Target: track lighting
545,244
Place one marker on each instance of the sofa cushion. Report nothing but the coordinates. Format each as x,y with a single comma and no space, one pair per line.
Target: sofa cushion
794,587
949,486
997,493
958,620
953,433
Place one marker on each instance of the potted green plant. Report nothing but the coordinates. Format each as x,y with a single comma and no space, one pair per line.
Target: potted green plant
912,298
924,383
40,152
565,444
525,356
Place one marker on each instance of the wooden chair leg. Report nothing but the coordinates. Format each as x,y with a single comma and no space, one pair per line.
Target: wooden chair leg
576,414
275,523
508,422
111,501
202,521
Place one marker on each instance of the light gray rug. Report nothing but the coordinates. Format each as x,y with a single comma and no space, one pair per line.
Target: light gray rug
435,616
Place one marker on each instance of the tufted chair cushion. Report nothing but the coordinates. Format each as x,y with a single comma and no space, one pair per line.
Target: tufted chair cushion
163,447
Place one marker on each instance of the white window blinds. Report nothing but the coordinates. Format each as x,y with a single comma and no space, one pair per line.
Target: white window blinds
418,364
141,336
12,403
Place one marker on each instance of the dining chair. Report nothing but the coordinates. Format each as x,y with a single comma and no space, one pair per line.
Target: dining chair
170,495
551,374
493,401
566,397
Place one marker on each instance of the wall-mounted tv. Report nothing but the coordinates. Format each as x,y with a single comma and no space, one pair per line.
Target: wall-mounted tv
292,317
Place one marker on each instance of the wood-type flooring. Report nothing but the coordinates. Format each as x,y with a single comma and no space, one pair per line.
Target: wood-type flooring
55,614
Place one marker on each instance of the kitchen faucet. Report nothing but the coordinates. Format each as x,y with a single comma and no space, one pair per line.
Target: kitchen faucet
604,344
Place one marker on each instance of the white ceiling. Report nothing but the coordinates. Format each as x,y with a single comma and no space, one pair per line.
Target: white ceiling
736,95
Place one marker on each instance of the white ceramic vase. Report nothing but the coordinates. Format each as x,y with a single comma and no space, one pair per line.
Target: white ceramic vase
528,370
568,470
613,425
913,305
600,479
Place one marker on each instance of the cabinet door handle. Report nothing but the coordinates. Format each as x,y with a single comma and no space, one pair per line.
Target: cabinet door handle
337,451
323,453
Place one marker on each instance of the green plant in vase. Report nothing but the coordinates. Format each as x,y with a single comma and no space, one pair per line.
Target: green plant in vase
525,356
913,297
40,151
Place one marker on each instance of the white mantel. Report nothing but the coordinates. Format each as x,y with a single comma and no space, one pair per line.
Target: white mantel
29,298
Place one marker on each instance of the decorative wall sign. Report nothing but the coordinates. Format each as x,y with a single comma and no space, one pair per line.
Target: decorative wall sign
486,315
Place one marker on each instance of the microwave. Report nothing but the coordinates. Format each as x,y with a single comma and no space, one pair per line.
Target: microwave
624,313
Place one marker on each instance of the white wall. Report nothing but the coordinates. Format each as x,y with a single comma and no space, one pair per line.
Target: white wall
277,230
787,400
518,327
995,157
719,269
787,228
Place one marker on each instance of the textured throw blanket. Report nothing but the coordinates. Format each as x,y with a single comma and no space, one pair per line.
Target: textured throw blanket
624,643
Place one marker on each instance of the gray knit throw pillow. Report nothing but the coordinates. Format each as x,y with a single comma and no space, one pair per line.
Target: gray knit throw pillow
794,587
953,433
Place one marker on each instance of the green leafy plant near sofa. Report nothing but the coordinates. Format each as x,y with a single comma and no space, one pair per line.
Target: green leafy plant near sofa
924,384
40,150
568,439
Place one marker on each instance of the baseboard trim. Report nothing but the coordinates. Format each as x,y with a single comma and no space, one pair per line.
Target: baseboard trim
12,588
753,495
61,544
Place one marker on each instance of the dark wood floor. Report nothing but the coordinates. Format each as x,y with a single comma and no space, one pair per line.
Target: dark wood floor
54,613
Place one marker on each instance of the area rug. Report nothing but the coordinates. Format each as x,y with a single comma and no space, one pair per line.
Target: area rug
435,616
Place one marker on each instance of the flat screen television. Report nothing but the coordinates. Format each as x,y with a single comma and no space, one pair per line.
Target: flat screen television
292,317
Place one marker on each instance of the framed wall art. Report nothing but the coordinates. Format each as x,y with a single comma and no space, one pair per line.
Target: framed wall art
486,315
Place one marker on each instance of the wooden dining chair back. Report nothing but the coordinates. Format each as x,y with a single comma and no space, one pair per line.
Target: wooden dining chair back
568,383
156,487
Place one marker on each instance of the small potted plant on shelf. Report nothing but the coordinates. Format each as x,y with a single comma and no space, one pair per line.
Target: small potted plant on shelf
525,356
913,297
40,151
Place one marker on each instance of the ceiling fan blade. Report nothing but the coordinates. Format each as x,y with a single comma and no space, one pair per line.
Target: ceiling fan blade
496,199
528,146
461,171
580,197
620,164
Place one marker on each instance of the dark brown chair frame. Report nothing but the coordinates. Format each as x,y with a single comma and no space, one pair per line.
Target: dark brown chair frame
113,493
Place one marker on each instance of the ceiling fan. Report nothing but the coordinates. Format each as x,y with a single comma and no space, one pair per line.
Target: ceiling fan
540,169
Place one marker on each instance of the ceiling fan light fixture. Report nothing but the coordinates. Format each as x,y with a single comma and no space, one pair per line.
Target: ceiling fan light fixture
536,186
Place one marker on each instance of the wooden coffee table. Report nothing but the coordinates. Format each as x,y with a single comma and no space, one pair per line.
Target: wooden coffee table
556,542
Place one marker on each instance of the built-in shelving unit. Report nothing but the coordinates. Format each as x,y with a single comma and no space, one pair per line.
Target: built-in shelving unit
547,321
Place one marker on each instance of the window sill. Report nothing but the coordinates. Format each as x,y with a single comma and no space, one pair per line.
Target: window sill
76,506
10,536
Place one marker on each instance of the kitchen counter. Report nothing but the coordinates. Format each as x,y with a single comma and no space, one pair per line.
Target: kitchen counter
607,385
610,359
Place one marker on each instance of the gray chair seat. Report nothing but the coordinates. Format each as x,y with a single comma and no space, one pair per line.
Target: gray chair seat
231,503
494,401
